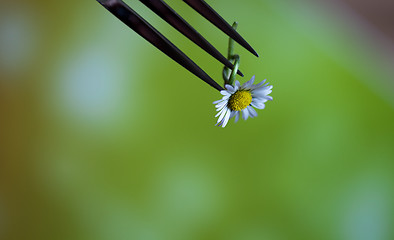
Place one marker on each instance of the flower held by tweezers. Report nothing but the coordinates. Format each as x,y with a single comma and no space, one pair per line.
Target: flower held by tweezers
237,99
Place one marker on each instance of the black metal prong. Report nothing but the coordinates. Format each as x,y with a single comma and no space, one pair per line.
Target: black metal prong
173,18
207,11
129,17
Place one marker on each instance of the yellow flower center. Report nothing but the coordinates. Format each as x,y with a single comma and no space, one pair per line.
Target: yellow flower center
239,100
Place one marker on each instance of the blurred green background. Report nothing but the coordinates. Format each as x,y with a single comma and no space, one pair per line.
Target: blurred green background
104,137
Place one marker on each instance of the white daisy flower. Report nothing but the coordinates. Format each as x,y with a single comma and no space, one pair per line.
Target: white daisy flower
237,99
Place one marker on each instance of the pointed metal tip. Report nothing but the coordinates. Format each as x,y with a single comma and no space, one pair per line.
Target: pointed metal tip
244,44
247,47
253,52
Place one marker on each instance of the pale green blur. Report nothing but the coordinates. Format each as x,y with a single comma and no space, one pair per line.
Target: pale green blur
104,137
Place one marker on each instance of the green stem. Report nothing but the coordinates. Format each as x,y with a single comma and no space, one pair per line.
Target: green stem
231,43
233,74
227,76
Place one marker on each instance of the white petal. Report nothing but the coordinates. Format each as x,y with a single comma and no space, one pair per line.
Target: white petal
248,84
218,101
226,97
232,114
265,86
225,92
221,104
269,98
258,105
221,108
245,114
218,107
235,89
244,85
219,123
260,100
260,84
222,113
262,88
252,112
236,116
237,84
261,92
226,118
252,79
229,88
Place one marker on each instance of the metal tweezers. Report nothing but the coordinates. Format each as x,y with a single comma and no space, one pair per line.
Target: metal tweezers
129,17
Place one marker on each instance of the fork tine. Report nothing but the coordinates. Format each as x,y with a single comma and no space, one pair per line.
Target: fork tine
129,17
207,11
173,18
